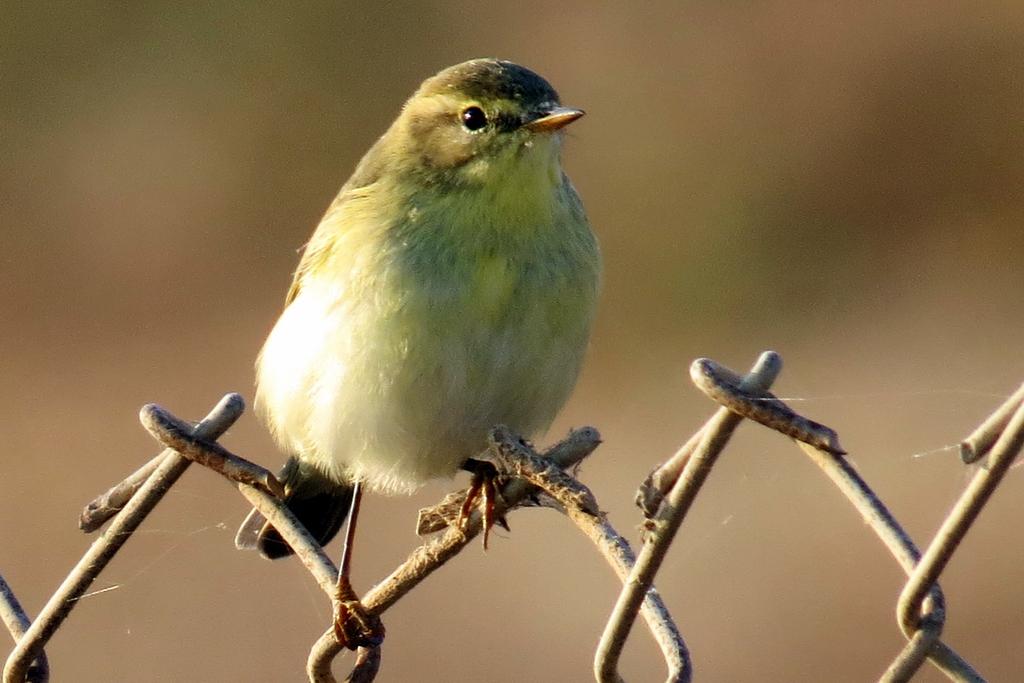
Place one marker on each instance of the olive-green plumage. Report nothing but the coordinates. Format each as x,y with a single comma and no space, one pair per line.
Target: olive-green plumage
450,287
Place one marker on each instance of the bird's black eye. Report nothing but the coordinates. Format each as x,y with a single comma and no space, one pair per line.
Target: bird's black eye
474,118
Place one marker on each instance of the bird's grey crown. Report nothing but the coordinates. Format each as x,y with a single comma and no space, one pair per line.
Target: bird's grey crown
488,79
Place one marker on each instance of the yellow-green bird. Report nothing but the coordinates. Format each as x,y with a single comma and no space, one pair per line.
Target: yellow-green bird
450,287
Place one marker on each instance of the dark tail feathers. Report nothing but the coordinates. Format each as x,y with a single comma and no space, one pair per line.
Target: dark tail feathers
320,503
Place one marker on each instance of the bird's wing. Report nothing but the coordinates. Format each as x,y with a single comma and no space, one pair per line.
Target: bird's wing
320,246
316,253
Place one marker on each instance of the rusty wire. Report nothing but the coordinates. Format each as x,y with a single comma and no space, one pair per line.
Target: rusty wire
921,607
17,622
665,497
103,550
698,463
263,490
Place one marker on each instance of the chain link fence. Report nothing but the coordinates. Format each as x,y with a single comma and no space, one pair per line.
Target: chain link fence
532,478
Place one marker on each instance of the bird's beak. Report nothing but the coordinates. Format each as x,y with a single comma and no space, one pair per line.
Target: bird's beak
553,120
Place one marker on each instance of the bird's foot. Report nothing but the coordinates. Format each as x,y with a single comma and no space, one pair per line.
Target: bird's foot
354,626
482,492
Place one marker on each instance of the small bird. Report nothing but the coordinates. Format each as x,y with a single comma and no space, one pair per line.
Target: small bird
449,288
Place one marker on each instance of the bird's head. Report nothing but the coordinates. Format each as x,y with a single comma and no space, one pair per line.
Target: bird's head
478,122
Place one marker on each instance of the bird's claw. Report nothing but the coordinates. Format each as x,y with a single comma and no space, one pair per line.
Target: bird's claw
354,626
482,492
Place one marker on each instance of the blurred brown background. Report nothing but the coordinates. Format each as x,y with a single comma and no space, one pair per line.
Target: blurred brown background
840,183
